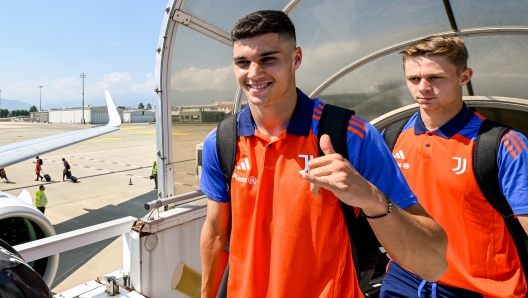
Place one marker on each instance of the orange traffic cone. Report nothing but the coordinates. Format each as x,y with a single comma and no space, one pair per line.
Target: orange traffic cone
130,183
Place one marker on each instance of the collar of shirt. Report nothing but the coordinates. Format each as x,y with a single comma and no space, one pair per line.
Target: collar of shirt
449,129
300,122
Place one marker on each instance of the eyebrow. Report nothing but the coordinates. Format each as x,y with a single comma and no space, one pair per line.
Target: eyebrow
269,53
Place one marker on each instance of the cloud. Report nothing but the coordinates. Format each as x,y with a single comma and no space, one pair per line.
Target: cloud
116,82
70,88
194,79
57,89
148,86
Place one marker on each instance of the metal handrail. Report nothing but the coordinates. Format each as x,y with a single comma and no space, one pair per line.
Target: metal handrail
174,199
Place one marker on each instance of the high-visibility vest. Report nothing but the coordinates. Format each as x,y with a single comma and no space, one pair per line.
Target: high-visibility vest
155,169
38,198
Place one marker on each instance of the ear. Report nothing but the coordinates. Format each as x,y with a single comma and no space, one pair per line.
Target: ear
466,76
297,58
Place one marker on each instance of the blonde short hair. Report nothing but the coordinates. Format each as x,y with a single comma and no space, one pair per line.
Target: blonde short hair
450,47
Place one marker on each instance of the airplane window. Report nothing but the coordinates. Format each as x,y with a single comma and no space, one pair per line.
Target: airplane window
223,15
203,85
487,13
336,33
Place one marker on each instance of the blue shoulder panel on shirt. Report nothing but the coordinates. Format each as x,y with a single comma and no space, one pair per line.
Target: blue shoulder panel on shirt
373,160
211,172
513,171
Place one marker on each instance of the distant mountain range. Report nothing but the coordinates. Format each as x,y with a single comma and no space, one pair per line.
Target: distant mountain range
14,104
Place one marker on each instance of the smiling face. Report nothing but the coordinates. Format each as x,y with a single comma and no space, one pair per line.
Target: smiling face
435,83
265,68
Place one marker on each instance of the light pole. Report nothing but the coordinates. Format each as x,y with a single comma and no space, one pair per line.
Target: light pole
83,76
40,97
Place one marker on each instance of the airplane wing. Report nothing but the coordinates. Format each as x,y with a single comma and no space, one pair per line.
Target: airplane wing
17,152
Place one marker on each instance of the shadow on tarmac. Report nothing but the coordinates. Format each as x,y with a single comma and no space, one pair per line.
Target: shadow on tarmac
72,260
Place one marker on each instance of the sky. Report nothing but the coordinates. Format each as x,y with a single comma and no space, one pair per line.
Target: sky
114,43
50,43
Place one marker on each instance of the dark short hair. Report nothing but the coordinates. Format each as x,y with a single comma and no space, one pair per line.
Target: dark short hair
263,22
451,47
41,186
37,157
62,159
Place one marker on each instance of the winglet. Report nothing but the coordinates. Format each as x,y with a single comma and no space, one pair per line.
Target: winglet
113,115
26,197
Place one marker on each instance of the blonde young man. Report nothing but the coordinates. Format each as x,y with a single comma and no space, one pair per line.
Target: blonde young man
437,140
286,228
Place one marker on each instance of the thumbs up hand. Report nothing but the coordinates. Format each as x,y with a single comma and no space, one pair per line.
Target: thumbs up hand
335,173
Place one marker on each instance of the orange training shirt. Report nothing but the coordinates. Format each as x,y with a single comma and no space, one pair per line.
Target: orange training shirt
439,168
285,241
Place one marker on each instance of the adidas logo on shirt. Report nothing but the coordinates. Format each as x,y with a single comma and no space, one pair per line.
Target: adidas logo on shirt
399,155
244,165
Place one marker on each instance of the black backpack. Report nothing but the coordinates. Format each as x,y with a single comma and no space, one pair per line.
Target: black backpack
40,161
333,122
486,173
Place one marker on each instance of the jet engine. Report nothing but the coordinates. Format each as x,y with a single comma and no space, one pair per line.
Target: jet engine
21,222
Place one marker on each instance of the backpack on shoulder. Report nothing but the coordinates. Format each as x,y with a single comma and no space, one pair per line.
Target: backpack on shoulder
333,122
487,175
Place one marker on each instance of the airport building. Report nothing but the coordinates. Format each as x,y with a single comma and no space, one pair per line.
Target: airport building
137,116
213,112
41,116
92,114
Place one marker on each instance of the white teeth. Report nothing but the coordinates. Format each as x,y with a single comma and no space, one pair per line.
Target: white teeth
259,86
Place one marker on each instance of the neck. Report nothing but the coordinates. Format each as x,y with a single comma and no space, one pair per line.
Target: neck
272,120
434,119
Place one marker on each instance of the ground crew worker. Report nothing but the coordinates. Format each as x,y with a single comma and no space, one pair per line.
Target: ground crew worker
66,169
38,168
3,174
155,174
41,201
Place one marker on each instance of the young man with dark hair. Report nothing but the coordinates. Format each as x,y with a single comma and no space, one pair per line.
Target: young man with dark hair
438,145
282,213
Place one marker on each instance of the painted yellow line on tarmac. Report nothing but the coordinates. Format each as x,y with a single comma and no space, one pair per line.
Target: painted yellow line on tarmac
129,128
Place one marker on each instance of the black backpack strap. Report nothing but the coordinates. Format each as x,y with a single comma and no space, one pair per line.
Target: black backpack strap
487,172
226,140
334,122
392,132
226,145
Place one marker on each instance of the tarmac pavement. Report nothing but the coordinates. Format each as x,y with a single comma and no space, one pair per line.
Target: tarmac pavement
104,166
